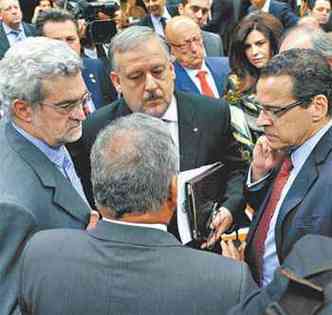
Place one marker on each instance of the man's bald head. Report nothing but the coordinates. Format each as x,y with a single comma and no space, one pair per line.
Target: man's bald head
185,38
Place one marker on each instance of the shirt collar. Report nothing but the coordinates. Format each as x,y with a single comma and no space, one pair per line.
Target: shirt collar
300,155
195,71
55,155
166,15
171,113
161,227
266,6
8,29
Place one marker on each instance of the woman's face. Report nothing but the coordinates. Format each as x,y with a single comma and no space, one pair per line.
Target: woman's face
321,11
257,49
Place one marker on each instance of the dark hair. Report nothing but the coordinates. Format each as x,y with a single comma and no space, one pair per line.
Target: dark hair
53,15
312,3
309,70
262,22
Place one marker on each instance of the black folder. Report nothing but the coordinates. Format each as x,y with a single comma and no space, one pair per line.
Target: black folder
204,194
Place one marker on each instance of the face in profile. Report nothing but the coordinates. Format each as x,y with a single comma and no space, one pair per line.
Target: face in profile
321,11
257,49
145,77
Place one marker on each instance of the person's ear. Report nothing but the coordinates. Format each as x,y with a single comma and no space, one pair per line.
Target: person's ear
22,110
319,108
116,81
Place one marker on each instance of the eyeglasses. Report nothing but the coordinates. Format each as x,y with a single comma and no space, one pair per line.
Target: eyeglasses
187,43
277,112
68,107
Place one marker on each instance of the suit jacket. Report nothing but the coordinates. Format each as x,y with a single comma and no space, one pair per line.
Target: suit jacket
307,208
212,44
121,269
310,256
34,196
98,82
281,11
219,68
146,21
29,30
205,136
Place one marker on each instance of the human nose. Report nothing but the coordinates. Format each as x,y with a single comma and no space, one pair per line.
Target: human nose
199,14
263,119
254,50
78,113
150,82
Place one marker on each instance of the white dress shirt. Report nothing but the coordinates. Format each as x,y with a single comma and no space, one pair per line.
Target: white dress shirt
157,226
157,24
192,74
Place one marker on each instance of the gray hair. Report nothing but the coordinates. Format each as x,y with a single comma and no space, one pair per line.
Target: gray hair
133,38
30,62
322,42
2,2
132,164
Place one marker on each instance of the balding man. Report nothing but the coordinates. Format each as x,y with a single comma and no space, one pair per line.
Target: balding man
12,29
194,73
306,37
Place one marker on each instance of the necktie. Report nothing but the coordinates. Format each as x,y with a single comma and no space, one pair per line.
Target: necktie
264,223
17,34
205,87
70,173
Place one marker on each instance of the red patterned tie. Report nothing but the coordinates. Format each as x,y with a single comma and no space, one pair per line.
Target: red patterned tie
205,86
264,223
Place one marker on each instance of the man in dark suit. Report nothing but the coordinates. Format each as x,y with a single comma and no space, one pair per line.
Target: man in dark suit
12,29
280,10
43,93
288,182
129,264
185,39
61,25
199,11
144,74
158,15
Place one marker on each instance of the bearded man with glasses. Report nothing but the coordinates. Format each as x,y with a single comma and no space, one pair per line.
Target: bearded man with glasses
289,182
43,95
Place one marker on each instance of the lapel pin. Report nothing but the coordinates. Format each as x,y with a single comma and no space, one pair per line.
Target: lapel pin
195,130
92,77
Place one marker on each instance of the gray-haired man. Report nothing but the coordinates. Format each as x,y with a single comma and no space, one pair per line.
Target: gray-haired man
129,264
43,94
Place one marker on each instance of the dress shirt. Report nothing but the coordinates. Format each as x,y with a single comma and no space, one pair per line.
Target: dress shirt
59,156
266,6
13,38
298,157
171,119
192,74
157,226
157,24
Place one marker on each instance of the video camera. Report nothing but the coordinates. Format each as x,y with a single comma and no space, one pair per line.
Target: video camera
99,31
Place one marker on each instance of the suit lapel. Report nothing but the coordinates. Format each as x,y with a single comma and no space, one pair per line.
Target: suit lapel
189,132
183,81
65,194
4,43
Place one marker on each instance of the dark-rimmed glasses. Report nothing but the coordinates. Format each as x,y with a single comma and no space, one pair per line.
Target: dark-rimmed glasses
68,107
187,43
275,113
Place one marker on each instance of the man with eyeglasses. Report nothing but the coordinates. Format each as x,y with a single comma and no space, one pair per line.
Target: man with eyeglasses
43,95
194,73
199,11
289,182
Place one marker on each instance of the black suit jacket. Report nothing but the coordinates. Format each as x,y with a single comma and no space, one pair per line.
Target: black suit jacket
307,207
126,270
29,30
204,137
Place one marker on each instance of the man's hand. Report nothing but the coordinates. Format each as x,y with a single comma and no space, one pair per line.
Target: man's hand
94,218
264,158
231,251
221,223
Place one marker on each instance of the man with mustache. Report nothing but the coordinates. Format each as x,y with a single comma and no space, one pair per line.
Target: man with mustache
200,126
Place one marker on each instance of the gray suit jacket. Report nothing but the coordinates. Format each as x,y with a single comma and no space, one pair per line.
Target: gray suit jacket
34,196
122,270
212,44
